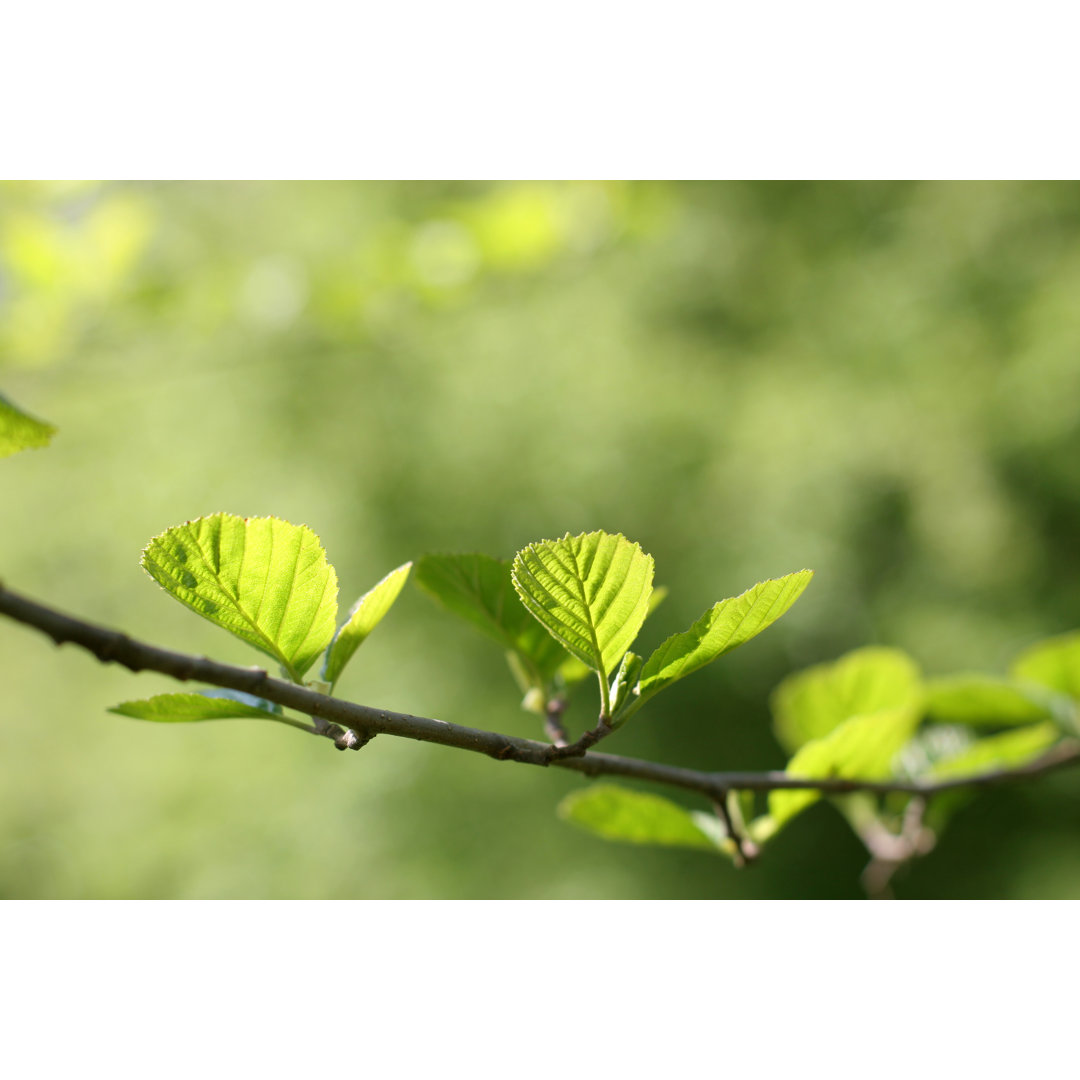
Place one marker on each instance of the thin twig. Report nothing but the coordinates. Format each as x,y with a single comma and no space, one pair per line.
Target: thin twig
746,851
553,725
584,742
109,646
890,851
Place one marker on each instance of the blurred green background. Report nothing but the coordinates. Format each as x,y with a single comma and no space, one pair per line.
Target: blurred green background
878,381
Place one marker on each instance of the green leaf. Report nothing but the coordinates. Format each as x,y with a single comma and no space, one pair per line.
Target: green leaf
591,592
479,589
657,597
811,703
1054,662
617,813
185,708
1008,750
722,628
262,579
622,685
20,430
862,747
364,616
985,700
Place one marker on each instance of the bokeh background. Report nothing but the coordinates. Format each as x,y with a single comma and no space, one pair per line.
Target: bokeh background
878,381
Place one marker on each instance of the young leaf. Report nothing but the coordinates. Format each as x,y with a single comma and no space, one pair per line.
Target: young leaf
591,592
479,589
20,431
1009,750
862,747
622,685
617,813
1054,662
184,708
985,700
262,579
722,628
364,616
809,704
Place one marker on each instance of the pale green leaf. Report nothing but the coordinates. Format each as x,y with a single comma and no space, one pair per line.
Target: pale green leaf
1007,750
479,589
985,700
623,684
20,431
1054,662
262,579
365,615
722,628
591,592
862,747
185,708
953,752
810,703
635,817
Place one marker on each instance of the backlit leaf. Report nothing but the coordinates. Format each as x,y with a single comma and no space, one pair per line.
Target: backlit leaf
1008,750
810,703
591,592
635,817
185,708
365,615
984,700
722,628
480,590
1054,662
862,747
20,431
262,579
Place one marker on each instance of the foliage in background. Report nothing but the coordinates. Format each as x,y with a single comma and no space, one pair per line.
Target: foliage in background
876,380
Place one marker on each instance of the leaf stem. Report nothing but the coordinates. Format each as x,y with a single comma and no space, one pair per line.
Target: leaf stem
605,695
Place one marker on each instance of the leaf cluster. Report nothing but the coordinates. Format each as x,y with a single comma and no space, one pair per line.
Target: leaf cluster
564,608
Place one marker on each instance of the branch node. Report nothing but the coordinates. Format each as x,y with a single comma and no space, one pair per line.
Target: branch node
352,740
579,748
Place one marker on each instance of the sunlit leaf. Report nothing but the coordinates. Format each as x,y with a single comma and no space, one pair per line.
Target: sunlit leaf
262,579
810,703
623,683
1007,750
479,589
591,592
20,431
185,708
635,817
862,747
930,744
984,700
722,628
365,615
1054,662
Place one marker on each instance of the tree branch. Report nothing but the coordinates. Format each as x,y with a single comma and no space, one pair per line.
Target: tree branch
110,646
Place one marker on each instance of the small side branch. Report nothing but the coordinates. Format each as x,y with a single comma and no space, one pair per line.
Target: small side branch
890,851
746,851
553,725
585,742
